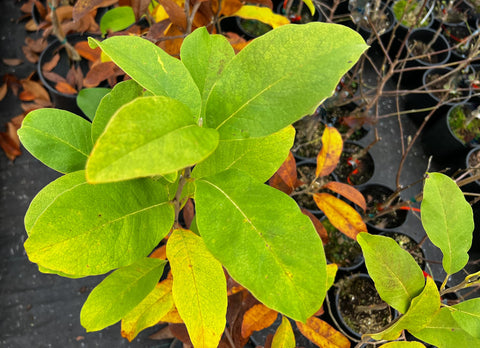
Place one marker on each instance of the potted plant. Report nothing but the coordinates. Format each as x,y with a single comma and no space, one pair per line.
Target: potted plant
376,14
411,14
116,192
356,166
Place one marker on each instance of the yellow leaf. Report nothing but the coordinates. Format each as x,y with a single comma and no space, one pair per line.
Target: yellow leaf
340,214
262,14
150,311
199,288
284,337
347,191
159,13
322,334
257,318
329,155
172,317
310,6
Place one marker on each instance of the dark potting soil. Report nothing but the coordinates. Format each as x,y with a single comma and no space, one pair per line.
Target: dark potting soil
447,87
419,48
306,173
361,307
375,200
308,136
354,167
458,35
340,249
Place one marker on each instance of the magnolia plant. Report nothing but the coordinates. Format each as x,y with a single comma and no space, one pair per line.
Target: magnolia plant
448,220
211,128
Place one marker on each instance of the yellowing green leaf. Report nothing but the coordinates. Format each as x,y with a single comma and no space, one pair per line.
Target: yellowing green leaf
340,214
199,288
263,14
149,136
403,344
150,311
119,293
467,315
284,337
329,155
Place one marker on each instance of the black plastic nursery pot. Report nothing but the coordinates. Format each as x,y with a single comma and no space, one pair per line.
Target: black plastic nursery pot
356,166
305,16
415,46
357,308
461,13
379,217
459,39
364,12
62,100
440,141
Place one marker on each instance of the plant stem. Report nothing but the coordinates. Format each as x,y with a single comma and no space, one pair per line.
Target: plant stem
178,201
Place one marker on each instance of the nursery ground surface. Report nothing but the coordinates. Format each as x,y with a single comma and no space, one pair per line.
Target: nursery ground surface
40,310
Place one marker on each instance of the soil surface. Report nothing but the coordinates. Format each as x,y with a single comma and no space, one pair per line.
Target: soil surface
355,167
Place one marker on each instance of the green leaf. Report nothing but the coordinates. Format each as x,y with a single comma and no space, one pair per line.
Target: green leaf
332,269
123,93
152,68
199,288
88,100
444,332
120,292
467,315
398,278
147,137
419,314
448,220
264,241
150,311
48,195
92,229
117,19
280,77
58,138
260,157
284,337
205,56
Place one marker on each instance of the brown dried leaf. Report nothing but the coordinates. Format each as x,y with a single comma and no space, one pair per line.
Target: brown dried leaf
27,7
82,7
172,46
163,334
9,141
175,13
229,7
188,212
31,56
181,333
288,171
42,11
3,91
86,52
237,42
140,7
50,65
64,13
101,72
66,88
257,318
277,182
159,253
322,334
36,46
53,77
12,61
35,89
347,191
263,3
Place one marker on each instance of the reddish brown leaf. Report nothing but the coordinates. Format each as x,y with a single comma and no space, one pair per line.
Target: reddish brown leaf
140,7
288,171
30,25
229,7
33,89
54,77
51,64
63,13
31,56
264,3
86,52
36,46
188,212
101,72
3,91
257,318
277,182
347,191
181,333
82,7
12,61
322,334
65,88
172,46
329,155
237,42
176,14
27,7
163,334
341,215
37,104
9,141
42,11
322,232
